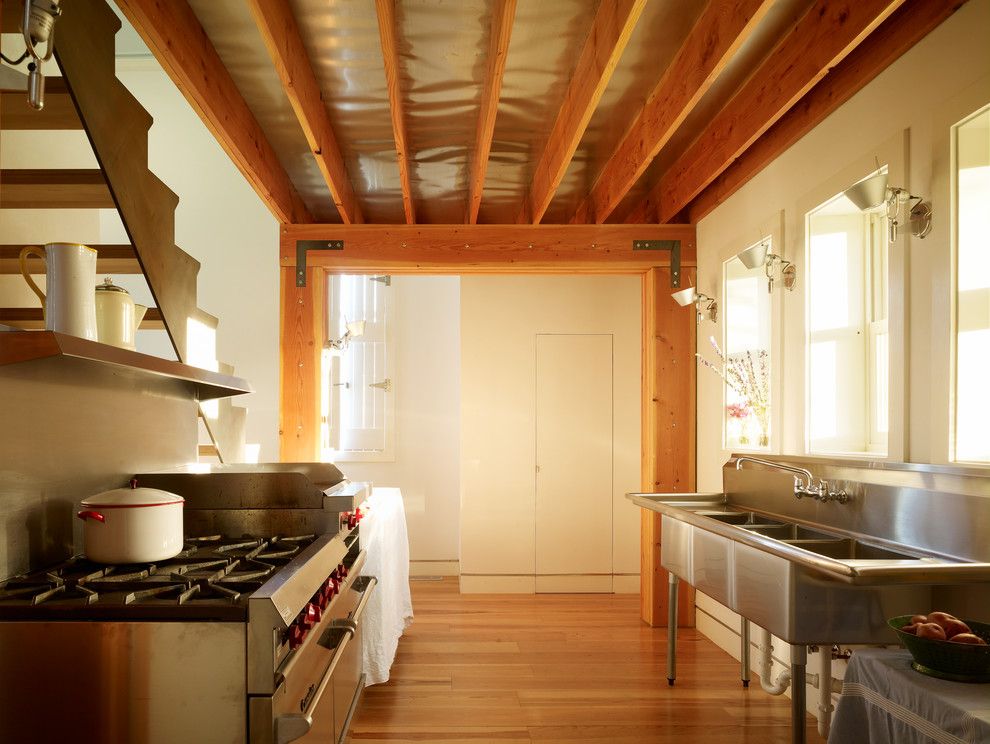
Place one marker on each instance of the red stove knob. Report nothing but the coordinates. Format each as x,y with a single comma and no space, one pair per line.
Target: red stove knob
310,616
342,570
352,521
296,636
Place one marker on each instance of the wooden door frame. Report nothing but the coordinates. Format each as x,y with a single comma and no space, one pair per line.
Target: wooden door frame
668,334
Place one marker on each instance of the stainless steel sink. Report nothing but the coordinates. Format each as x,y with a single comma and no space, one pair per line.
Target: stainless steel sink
788,532
848,549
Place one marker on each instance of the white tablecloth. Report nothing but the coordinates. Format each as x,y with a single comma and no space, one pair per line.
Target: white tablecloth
389,611
885,701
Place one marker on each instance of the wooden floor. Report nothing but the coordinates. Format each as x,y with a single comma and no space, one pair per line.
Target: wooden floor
559,668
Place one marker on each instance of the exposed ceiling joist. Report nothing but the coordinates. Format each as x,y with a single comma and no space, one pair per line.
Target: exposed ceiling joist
902,30
820,39
498,48
610,32
716,36
176,38
390,52
489,248
285,46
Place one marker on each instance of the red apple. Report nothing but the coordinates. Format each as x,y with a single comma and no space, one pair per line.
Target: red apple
940,617
969,638
931,630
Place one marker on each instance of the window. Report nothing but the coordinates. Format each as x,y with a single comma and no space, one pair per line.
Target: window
747,355
357,416
971,176
848,367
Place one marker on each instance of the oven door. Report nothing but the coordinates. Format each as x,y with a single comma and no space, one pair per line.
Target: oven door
348,682
318,696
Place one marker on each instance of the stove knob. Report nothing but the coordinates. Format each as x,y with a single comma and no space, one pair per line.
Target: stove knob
323,598
352,521
310,617
342,569
296,636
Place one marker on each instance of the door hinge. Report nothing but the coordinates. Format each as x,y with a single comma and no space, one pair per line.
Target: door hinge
386,280
385,385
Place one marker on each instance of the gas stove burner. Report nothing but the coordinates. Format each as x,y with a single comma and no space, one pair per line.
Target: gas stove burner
212,572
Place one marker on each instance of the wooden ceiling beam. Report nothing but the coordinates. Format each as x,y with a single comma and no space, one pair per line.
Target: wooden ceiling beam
820,40
716,36
456,249
178,41
280,31
610,32
498,48
388,31
901,31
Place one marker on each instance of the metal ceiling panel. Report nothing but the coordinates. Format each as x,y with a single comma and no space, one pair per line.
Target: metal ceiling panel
658,35
341,38
231,28
547,39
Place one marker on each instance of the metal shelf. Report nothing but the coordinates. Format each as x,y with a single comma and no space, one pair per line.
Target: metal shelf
23,347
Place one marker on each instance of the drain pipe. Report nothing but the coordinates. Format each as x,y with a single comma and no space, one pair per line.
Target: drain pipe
783,680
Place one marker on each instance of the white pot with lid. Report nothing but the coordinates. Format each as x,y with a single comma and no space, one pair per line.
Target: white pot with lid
132,525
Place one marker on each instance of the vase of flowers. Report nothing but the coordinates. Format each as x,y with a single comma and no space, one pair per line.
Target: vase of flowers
748,374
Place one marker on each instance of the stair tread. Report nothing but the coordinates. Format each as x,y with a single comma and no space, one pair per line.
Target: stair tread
54,188
111,259
59,111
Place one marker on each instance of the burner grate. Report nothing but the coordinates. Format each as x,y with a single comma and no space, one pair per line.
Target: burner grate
210,571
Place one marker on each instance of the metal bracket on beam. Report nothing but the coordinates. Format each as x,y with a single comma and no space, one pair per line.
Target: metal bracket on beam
302,246
674,246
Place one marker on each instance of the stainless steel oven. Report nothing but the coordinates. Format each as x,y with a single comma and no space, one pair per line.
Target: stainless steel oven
243,637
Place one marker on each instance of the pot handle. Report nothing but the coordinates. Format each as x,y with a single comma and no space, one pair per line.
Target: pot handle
87,514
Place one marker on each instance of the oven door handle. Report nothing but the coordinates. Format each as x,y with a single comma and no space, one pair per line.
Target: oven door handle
365,597
292,726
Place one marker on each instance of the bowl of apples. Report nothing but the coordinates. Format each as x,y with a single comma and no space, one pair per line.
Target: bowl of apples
945,646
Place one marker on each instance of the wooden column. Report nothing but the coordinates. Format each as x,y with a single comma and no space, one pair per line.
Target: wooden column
669,340
300,327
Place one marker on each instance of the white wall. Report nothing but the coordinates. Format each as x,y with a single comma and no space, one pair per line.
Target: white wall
500,317
903,116
427,419
221,222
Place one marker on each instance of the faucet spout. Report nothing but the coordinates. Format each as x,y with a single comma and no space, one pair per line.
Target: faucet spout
806,474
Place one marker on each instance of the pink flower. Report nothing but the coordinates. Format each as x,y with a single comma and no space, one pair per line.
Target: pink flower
738,410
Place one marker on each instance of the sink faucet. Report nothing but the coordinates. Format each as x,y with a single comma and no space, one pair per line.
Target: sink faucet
820,491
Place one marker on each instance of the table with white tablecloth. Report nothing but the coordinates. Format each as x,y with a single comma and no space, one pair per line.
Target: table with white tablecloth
389,611
885,701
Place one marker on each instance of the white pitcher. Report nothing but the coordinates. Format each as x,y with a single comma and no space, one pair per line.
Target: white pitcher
71,270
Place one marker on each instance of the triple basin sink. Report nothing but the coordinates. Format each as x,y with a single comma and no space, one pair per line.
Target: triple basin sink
805,583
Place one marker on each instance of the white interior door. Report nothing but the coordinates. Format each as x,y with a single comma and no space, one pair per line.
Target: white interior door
574,462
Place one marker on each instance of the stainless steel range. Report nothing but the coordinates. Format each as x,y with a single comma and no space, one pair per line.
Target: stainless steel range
250,634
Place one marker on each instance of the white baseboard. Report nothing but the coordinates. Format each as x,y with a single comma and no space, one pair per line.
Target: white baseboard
434,568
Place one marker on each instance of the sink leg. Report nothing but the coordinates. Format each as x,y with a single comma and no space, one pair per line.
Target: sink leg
744,650
671,629
799,660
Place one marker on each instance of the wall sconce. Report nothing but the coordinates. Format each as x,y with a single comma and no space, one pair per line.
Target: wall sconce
691,296
759,255
353,329
874,191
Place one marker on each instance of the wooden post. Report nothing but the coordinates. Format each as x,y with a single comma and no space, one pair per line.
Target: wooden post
668,432
300,328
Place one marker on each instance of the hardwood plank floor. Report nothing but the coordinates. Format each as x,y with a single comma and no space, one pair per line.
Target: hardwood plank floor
559,668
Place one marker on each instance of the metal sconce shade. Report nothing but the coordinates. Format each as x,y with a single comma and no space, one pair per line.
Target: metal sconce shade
869,193
685,297
754,257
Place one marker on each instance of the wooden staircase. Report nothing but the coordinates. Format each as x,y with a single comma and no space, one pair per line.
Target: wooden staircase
89,96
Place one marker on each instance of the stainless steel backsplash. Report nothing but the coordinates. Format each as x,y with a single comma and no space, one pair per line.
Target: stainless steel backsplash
70,430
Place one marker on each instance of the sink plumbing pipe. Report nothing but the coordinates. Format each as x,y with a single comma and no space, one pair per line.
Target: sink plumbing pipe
825,706
783,680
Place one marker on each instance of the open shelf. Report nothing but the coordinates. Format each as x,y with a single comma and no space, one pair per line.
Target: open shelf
21,347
